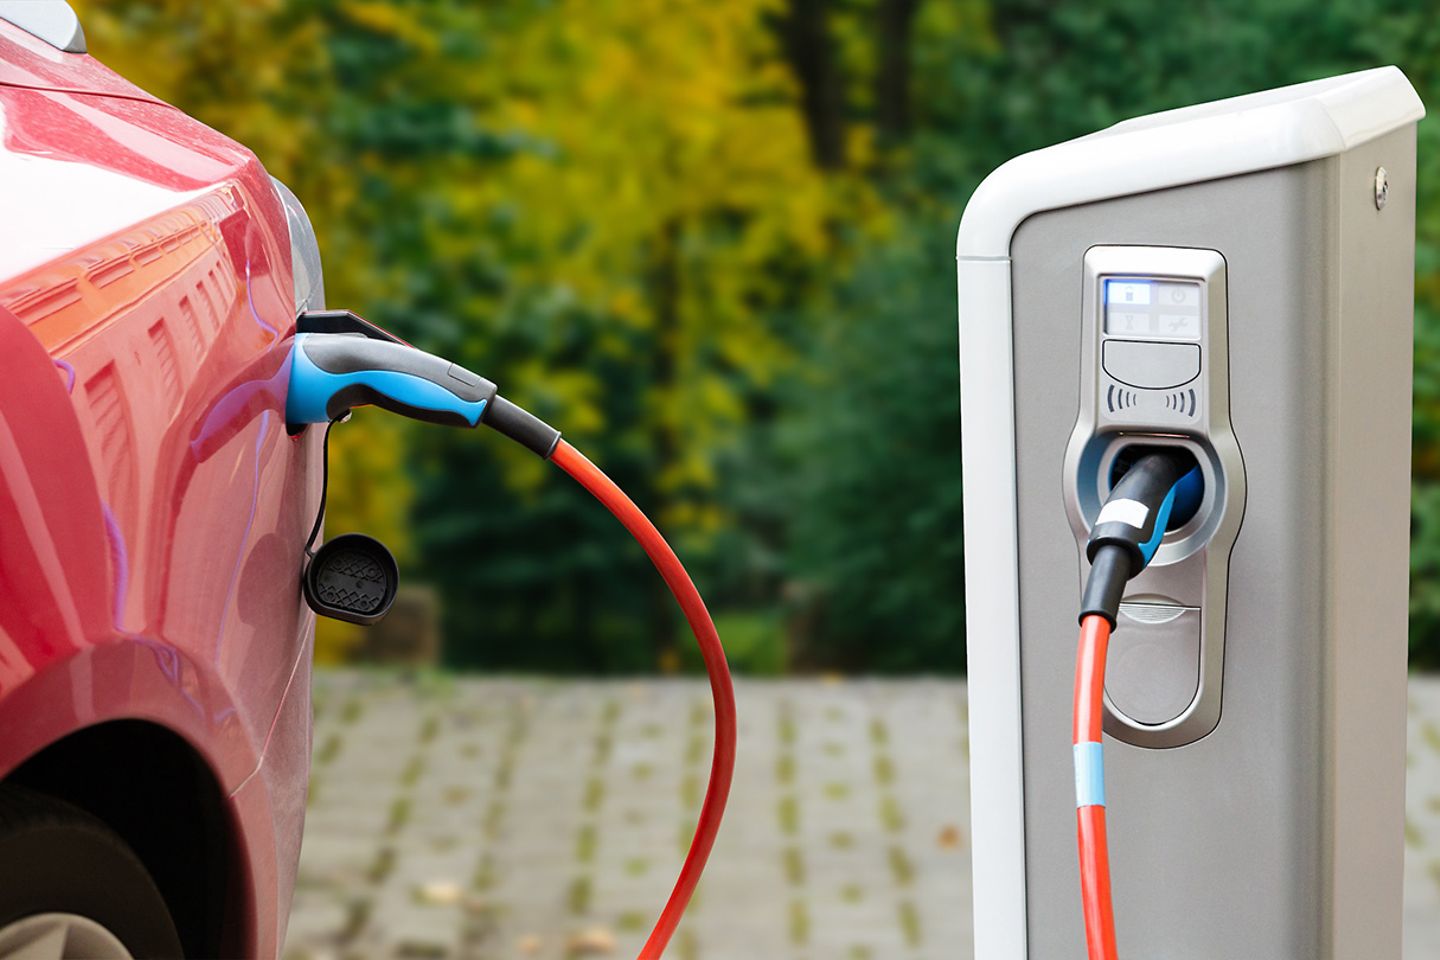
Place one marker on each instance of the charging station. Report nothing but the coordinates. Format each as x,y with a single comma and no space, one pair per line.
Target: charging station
1235,280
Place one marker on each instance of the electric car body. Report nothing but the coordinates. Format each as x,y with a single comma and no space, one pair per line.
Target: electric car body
154,644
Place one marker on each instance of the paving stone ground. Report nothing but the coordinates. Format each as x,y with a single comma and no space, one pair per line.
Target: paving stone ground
498,819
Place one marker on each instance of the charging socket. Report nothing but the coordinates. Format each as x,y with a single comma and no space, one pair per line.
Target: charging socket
1155,376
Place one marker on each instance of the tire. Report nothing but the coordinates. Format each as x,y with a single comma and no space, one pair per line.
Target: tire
57,859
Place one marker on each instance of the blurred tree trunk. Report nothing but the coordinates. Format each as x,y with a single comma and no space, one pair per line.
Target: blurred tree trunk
892,79
806,34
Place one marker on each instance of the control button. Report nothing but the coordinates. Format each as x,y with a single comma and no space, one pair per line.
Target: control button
1153,667
458,372
1151,366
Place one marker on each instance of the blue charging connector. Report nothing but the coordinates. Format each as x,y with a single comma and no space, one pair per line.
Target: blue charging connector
341,362
330,373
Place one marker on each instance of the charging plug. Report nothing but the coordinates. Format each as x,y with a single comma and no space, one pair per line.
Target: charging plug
331,372
1131,524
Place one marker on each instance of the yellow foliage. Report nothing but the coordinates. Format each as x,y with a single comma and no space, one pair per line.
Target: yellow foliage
390,19
647,176
676,146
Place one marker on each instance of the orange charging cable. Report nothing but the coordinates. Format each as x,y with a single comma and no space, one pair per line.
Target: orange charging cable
1090,789
332,370
722,764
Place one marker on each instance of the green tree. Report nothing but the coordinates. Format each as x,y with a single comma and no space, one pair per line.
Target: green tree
712,243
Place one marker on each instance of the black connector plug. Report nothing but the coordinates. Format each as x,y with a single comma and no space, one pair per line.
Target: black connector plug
1110,570
1129,529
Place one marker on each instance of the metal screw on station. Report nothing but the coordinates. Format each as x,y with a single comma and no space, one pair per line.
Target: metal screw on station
1382,187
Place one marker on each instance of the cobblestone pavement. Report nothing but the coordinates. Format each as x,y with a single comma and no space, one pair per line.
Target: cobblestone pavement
497,819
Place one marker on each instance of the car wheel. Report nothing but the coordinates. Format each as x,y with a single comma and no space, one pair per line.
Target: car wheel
70,887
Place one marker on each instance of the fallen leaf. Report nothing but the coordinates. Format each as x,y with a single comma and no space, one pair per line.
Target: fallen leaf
440,892
596,940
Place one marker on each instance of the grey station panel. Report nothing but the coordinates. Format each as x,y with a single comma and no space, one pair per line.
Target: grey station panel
1231,846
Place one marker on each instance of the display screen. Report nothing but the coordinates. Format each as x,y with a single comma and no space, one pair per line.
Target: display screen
1161,309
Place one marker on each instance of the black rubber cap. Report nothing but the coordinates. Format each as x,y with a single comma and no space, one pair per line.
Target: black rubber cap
352,578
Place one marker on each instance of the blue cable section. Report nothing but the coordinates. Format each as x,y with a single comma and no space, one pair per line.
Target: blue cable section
1187,489
1162,520
1089,775
1189,492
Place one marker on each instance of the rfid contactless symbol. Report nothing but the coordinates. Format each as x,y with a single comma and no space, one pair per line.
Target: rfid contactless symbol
339,361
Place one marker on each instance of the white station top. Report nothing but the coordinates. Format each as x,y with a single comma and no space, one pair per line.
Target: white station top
1259,131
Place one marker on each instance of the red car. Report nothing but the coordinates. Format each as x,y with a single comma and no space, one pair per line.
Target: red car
154,644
